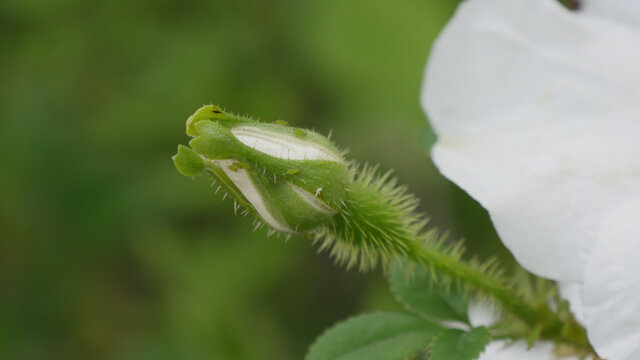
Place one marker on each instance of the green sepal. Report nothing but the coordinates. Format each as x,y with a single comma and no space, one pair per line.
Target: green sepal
187,161
289,206
217,142
213,112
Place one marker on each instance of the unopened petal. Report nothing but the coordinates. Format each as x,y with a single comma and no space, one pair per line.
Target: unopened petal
612,286
536,111
282,146
242,180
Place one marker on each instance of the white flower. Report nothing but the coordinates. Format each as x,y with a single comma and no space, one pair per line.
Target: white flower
537,112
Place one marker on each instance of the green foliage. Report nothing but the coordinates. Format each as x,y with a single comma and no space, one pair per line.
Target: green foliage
390,336
380,336
417,289
459,345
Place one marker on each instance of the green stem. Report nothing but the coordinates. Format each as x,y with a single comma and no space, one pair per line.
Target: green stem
469,275
378,222
552,325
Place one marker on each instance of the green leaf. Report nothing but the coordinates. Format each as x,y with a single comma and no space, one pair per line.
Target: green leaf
417,291
380,336
460,345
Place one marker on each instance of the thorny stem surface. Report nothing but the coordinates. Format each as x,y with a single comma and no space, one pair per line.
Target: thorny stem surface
553,327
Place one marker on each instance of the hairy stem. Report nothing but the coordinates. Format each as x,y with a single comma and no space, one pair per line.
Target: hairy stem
378,222
552,325
457,269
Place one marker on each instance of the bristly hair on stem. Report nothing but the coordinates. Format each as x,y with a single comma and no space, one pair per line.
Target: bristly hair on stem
376,222
379,221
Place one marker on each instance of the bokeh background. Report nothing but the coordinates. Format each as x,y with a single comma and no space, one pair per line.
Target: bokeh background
106,252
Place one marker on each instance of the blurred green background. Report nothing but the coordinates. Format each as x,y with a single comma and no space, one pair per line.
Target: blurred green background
106,252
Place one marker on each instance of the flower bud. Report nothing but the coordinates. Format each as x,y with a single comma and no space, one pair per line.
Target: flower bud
292,179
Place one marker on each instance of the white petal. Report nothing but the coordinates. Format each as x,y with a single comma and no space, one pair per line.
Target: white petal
626,11
501,350
536,110
242,180
482,314
612,286
282,146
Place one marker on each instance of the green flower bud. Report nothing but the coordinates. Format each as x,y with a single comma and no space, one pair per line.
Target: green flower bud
292,179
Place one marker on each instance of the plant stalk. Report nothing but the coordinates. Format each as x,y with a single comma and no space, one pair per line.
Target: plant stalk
552,325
